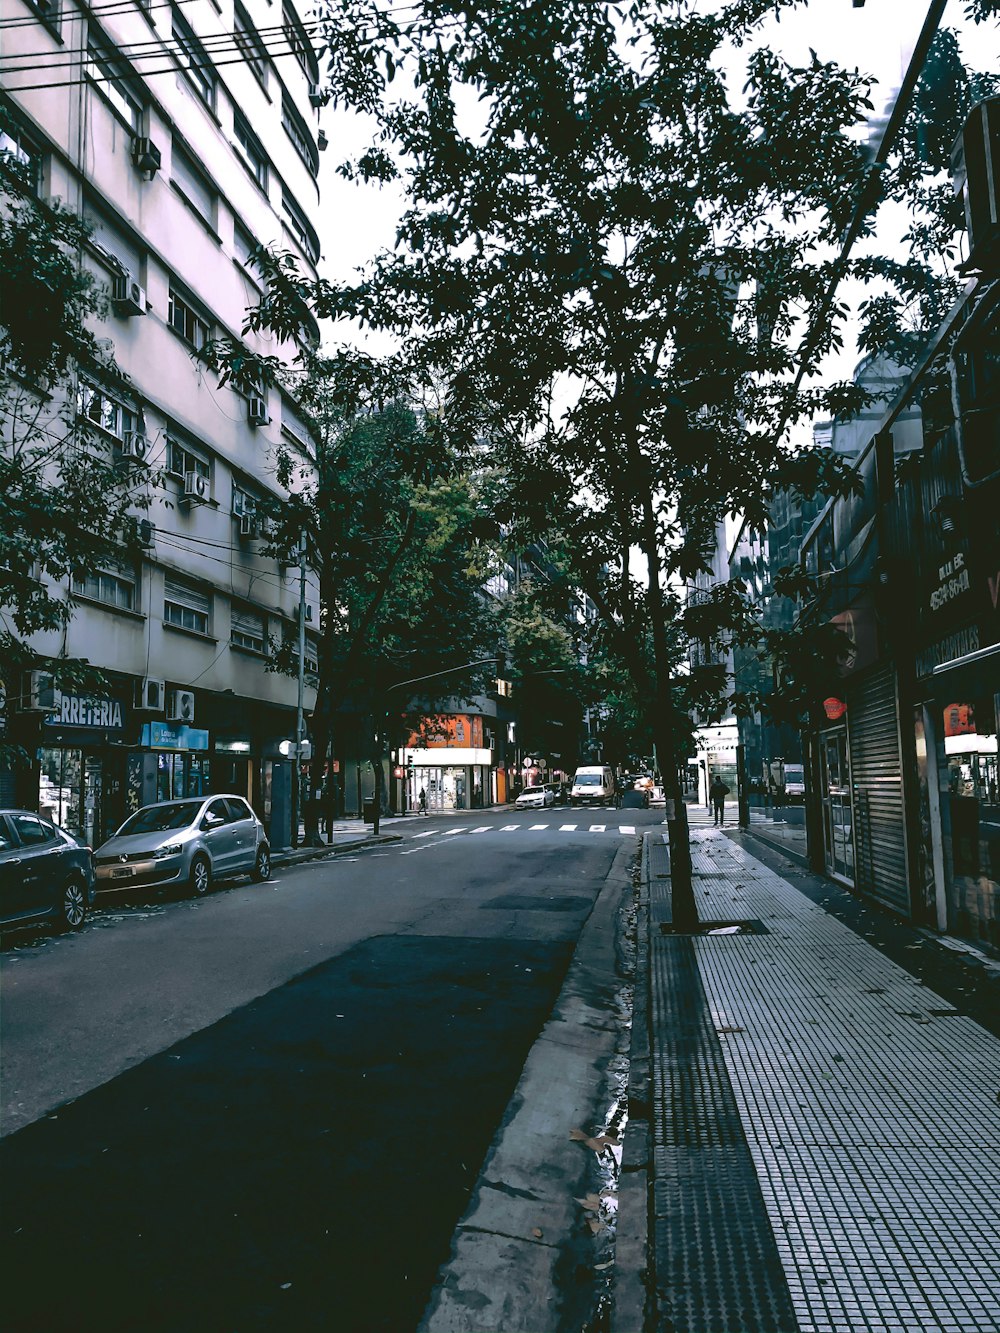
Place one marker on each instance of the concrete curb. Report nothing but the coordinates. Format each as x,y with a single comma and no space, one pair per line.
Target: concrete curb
523,1232
299,854
630,1294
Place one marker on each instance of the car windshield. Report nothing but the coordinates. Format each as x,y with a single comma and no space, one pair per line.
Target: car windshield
588,780
158,818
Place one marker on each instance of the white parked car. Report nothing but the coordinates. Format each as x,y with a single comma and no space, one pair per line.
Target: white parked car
535,798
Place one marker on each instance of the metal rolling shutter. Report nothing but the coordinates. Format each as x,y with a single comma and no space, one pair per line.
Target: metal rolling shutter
877,786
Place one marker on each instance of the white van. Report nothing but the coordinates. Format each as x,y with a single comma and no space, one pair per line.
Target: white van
593,785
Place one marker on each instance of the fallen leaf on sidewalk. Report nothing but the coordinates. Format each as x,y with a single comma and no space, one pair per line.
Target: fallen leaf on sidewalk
537,1232
597,1144
591,1204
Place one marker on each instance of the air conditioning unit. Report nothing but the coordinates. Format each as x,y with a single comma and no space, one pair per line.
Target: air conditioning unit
135,446
315,95
128,297
249,527
975,171
39,693
257,411
151,695
180,706
196,488
145,156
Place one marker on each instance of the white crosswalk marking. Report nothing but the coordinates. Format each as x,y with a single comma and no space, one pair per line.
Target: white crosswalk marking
537,826
567,828
484,829
598,828
510,828
450,831
626,828
429,834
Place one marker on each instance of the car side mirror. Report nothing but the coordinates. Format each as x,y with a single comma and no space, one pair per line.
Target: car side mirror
212,821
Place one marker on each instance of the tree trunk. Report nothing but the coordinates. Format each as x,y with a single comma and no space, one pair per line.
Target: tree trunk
685,912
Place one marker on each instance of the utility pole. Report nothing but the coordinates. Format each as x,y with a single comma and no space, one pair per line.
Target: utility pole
299,720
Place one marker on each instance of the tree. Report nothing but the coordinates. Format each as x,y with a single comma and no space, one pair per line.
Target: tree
68,505
386,498
626,267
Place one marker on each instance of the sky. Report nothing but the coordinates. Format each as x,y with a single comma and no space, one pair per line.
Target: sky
357,221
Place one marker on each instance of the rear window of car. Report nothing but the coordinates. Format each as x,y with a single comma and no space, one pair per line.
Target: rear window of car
158,818
238,809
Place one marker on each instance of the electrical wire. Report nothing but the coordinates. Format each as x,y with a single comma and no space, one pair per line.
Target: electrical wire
135,76
217,41
164,50
113,7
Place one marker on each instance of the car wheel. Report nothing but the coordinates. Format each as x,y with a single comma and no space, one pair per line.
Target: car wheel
201,876
73,907
262,866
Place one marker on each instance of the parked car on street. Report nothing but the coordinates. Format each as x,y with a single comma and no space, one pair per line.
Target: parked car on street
533,798
187,842
45,872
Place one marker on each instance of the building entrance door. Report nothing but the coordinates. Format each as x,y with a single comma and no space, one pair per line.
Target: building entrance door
838,830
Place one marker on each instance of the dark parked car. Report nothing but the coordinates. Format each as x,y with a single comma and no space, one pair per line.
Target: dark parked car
189,842
45,872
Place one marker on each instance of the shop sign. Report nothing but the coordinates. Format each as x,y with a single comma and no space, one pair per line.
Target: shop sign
173,736
949,649
834,708
82,710
952,582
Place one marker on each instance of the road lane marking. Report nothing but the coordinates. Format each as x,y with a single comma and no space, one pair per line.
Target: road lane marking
626,828
449,832
510,828
537,826
598,828
567,828
429,834
484,829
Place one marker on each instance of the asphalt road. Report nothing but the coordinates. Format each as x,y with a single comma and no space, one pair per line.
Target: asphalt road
282,1094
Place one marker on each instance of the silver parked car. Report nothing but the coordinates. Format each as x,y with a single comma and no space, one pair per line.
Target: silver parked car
188,842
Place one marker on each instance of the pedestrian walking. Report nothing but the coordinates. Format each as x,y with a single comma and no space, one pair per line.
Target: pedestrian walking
422,802
717,795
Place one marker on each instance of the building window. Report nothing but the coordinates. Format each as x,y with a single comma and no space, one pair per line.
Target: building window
180,460
299,43
302,140
249,149
244,245
113,589
100,409
50,12
185,607
116,82
195,59
193,184
298,225
251,47
247,630
244,504
21,159
312,656
187,322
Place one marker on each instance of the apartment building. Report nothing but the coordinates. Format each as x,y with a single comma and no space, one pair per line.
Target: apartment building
185,134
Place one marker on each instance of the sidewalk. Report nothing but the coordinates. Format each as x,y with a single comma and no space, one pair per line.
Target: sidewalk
819,1137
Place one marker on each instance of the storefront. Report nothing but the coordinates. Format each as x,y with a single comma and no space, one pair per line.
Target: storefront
82,752
447,760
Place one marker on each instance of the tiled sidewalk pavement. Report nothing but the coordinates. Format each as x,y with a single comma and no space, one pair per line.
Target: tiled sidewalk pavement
870,1110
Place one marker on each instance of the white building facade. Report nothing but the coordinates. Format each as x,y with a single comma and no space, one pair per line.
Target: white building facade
185,135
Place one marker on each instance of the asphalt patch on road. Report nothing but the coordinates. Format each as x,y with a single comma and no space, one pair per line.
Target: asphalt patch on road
300,1164
524,902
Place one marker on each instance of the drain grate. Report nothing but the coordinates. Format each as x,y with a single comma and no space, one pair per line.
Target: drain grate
717,1267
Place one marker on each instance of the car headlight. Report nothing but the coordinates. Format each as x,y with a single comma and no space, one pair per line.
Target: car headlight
171,849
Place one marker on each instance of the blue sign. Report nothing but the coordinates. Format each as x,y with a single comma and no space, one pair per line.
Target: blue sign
173,736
